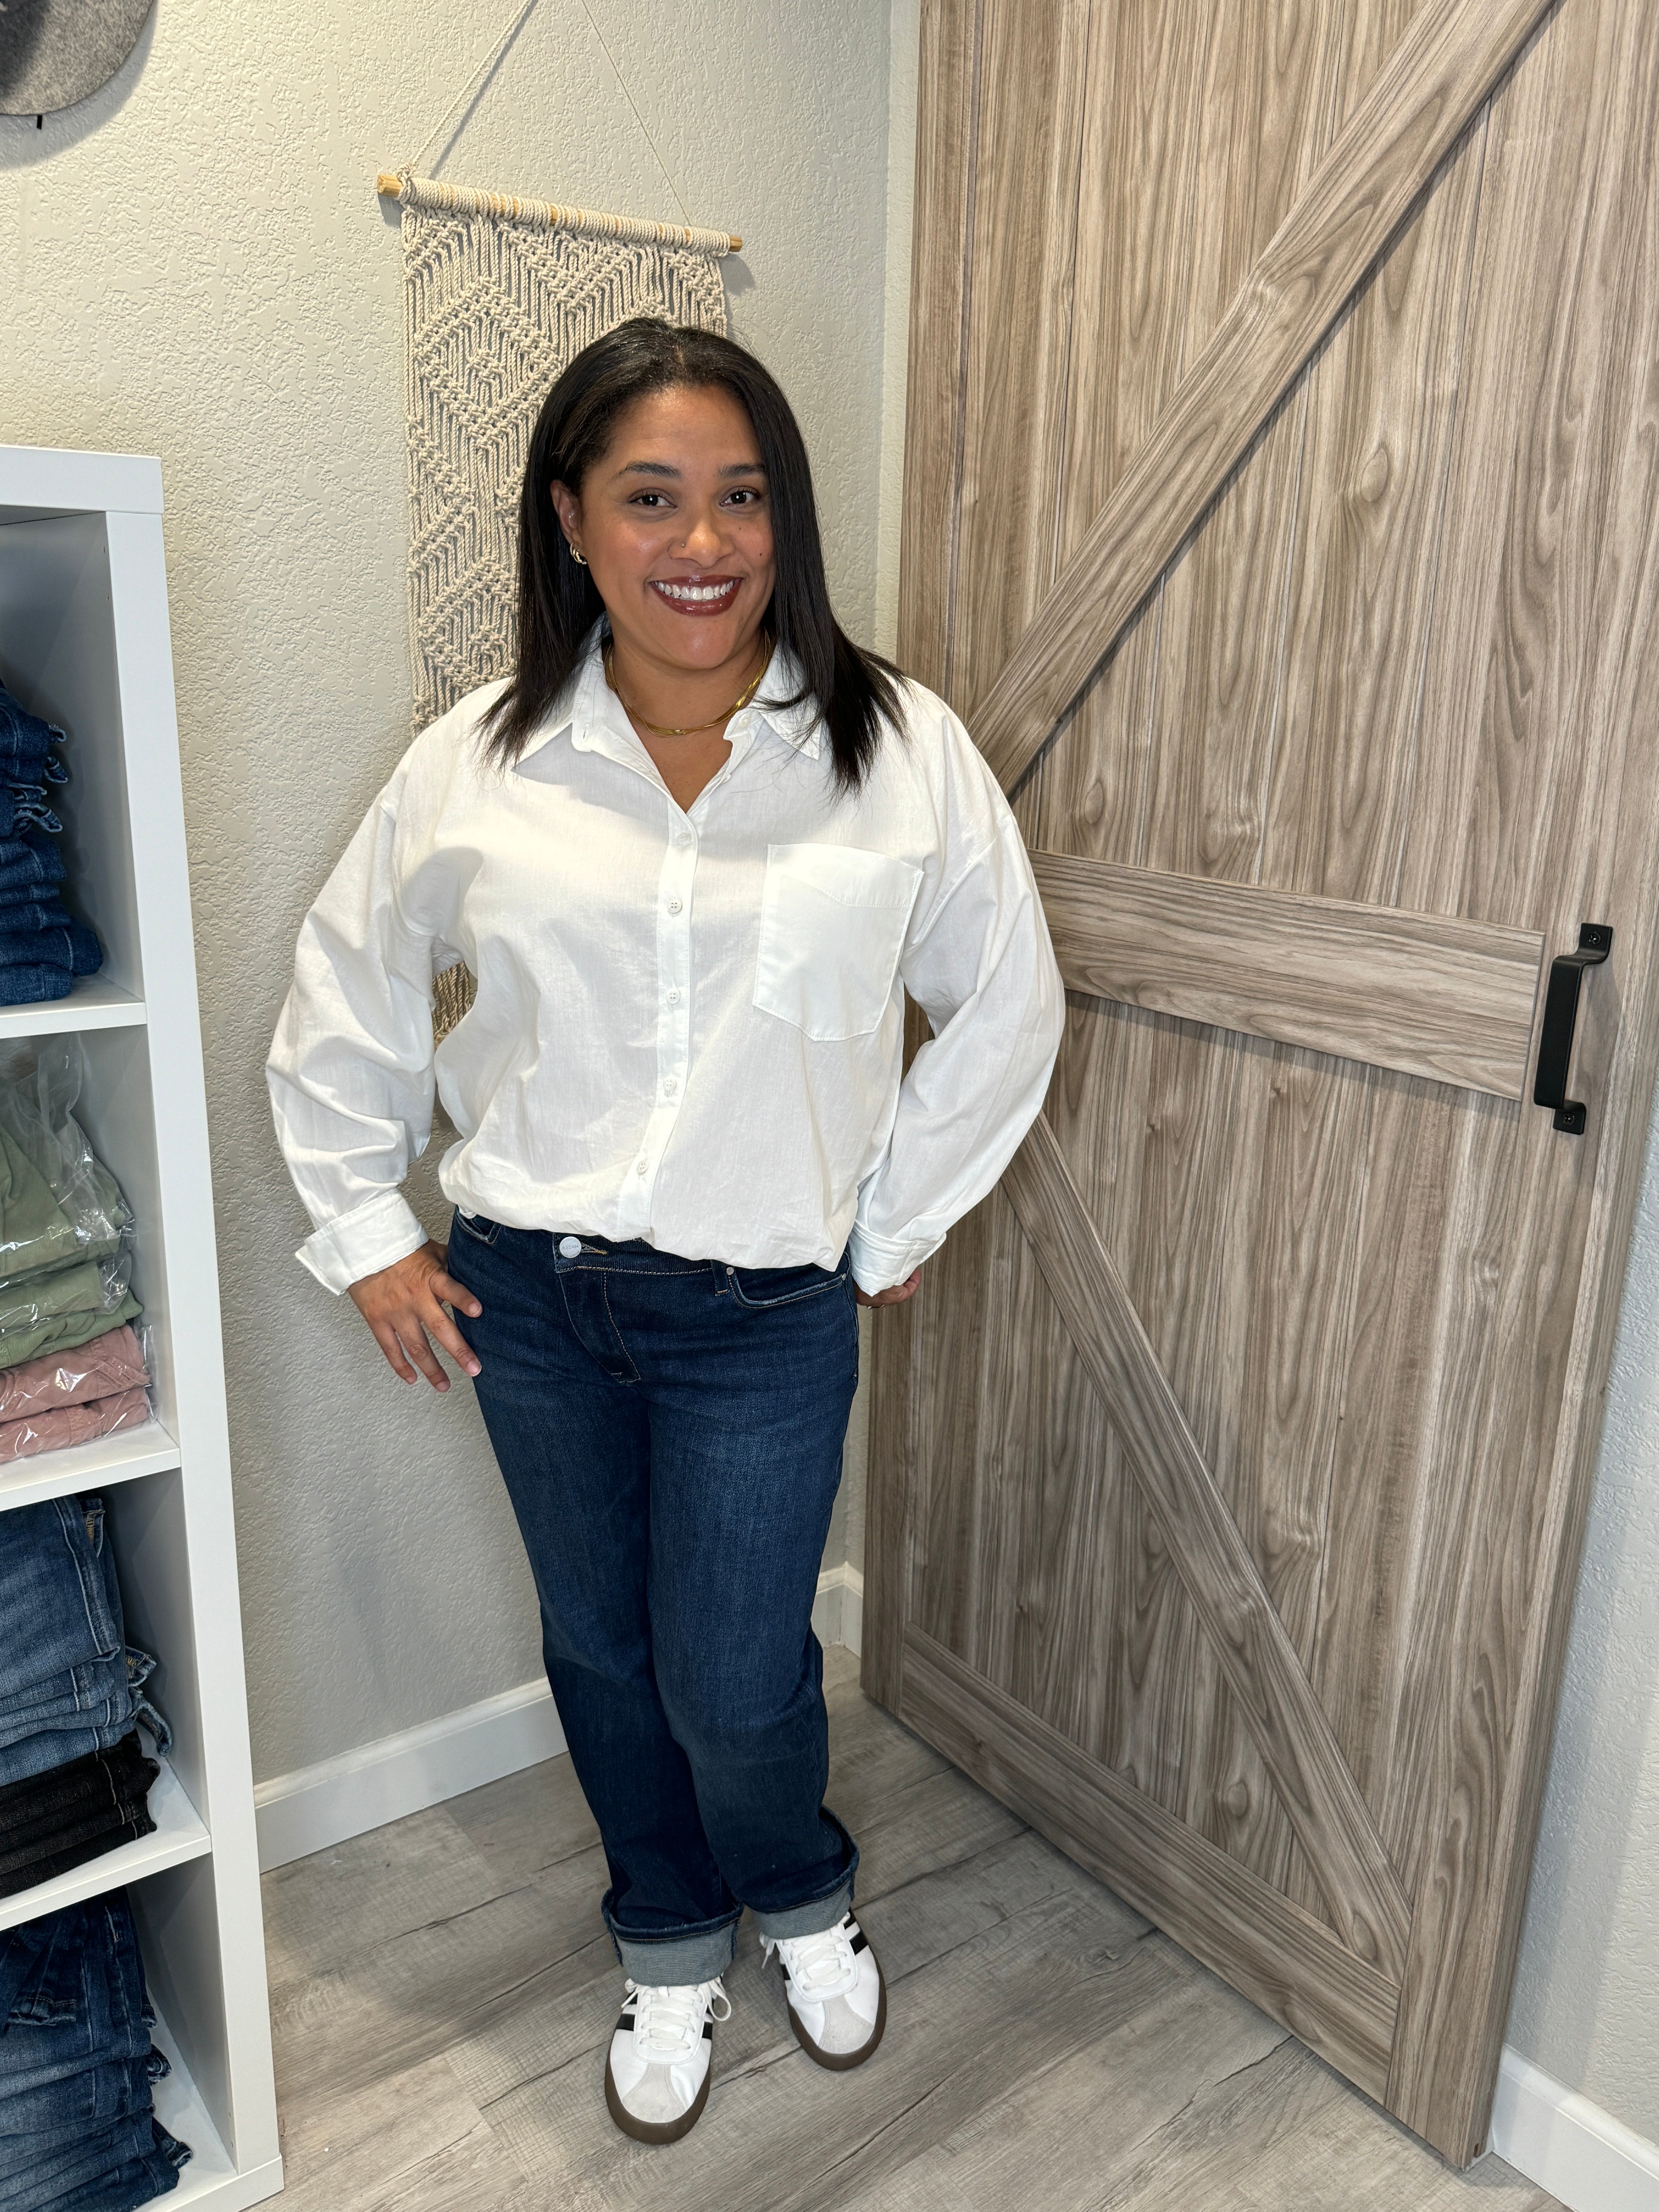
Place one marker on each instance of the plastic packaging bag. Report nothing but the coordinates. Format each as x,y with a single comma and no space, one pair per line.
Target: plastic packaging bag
65,1228
49,1430
109,1364
70,1397
39,1084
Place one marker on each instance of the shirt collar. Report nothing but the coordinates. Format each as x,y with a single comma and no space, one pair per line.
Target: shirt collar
590,714
799,725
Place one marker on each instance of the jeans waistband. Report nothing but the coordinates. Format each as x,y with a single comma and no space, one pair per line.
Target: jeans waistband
585,1250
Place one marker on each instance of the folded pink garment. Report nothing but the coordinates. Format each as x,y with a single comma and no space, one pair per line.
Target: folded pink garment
98,1369
72,1424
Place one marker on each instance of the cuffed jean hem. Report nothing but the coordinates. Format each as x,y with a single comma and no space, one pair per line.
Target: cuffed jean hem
697,1954
676,1959
807,1919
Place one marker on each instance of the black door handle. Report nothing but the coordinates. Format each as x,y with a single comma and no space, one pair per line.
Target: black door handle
1560,1018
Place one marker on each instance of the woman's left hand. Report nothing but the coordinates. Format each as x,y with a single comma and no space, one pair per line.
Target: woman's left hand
897,1296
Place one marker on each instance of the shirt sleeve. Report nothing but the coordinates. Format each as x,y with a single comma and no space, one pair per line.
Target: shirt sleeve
980,964
350,1068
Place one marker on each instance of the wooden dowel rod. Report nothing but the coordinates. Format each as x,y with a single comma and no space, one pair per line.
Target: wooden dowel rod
391,188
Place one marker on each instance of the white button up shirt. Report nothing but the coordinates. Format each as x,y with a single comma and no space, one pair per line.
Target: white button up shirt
689,1026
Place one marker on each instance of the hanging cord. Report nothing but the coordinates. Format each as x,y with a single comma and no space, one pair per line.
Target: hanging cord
638,118
405,186
476,83
481,75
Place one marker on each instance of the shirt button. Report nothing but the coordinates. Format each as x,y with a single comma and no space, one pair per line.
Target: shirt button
571,1247
673,906
640,1167
671,1086
673,998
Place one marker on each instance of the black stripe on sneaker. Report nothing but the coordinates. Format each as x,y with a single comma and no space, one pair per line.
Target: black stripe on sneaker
625,2025
860,1941
708,2031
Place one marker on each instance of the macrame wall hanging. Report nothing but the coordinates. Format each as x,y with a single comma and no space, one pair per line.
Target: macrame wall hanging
499,295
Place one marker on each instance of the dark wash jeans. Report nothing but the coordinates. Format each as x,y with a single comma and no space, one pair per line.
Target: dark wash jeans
34,2127
58,1597
69,1684
77,2134
53,1821
670,1432
71,1996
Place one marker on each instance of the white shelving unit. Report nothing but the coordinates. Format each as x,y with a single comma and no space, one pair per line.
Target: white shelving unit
83,642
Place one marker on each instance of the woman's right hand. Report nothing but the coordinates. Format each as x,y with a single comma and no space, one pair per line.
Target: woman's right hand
404,1306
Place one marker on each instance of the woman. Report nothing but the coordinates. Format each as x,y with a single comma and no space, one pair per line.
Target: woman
695,852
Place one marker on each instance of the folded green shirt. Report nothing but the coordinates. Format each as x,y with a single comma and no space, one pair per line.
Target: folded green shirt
34,1230
57,1309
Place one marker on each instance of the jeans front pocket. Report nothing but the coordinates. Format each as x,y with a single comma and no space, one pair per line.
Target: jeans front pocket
760,1289
833,919
477,1226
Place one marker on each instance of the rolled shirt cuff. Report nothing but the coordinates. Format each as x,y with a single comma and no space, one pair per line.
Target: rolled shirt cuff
880,1263
373,1235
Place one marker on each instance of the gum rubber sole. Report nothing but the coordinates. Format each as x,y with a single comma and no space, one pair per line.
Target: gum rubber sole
838,2061
655,2131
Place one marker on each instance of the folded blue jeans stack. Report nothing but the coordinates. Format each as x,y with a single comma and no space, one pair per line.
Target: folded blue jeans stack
74,1776
42,947
78,2131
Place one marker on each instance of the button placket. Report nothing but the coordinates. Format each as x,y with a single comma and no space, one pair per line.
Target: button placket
674,904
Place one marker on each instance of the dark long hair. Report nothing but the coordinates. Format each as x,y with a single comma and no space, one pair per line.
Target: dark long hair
558,602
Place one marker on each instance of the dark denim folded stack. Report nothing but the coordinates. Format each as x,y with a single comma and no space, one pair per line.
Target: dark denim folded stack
73,1779
53,1821
42,947
78,2131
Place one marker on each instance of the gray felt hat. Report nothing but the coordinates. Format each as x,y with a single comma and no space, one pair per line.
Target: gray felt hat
53,53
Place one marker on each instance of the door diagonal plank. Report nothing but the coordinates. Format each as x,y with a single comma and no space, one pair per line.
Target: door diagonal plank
1426,994
1321,1798
1189,1886
1380,163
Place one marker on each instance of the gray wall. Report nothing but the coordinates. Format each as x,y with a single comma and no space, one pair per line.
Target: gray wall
196,266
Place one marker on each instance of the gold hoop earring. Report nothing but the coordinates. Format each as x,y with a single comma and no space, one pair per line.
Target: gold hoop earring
579,557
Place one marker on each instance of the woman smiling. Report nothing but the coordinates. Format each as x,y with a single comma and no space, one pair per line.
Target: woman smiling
695,852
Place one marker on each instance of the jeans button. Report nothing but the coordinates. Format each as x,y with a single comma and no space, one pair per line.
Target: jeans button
571,1247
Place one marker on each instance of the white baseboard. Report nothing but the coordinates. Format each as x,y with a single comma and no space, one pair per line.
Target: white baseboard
1568,2146
320,1805
838,1610
317,1806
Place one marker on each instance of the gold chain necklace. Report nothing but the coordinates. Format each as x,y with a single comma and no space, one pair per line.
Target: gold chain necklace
690,730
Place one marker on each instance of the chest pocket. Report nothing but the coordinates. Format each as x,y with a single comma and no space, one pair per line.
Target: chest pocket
832,920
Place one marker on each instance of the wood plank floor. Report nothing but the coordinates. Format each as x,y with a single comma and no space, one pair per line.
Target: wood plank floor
442,1990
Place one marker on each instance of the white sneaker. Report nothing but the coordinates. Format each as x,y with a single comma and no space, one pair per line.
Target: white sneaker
837,1997
657,2070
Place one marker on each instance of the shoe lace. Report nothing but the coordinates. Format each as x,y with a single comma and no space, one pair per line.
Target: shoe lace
823,1966
668,2020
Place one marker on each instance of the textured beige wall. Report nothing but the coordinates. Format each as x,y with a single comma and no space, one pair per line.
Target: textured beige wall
196,266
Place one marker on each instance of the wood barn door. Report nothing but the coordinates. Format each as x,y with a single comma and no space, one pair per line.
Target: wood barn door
1282,512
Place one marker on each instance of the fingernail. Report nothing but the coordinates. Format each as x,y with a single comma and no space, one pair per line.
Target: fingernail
472,1366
